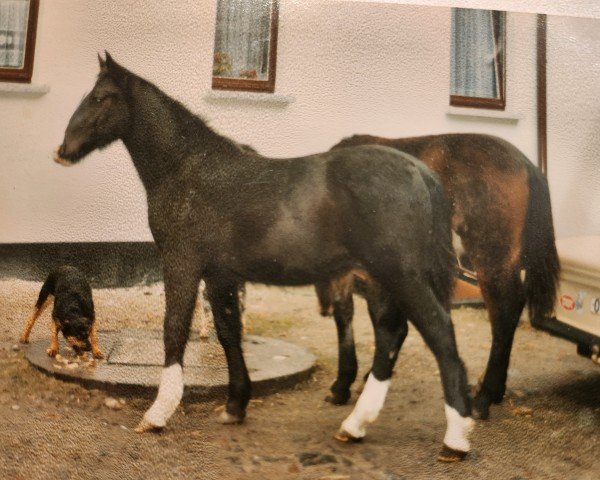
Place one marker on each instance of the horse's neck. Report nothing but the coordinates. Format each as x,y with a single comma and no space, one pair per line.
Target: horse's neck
161,137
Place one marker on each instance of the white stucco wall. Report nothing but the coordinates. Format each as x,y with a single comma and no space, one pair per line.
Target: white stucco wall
574,124
352,67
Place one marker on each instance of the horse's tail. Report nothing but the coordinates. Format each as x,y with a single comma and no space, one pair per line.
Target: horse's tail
444,260
538,254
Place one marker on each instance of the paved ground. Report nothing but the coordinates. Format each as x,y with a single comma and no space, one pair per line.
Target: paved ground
50,429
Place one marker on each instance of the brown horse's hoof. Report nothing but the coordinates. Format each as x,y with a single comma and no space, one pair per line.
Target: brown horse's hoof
449,455
481,406
345,437
481,414
145,426
226,418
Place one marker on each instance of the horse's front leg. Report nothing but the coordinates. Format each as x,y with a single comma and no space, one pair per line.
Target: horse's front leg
223,297
181,278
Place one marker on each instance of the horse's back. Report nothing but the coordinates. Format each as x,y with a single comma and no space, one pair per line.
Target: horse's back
377,173
392,202
441,152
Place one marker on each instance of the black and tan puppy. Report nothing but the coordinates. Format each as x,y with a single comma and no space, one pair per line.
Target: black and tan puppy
72,314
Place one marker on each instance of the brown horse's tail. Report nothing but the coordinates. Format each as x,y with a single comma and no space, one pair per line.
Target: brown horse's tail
539,255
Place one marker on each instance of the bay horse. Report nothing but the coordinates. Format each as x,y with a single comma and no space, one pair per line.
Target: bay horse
226,215
501,211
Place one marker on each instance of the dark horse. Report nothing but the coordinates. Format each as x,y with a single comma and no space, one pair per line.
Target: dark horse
502,214
226,215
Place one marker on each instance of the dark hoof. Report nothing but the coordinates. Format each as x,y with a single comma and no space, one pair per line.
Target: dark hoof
226,418
449,455
344,437
338,398
481,409
481,404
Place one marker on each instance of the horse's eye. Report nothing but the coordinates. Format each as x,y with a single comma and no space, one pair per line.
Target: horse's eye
98,99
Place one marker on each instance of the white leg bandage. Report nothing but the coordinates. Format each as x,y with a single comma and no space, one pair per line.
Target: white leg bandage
457,430
367,407
169,395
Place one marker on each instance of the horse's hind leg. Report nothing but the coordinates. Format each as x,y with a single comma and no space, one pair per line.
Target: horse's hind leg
181,280
435,326
347,364
391,329
505,298
225,305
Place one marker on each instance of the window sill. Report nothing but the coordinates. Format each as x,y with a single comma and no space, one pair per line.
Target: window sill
502,115
23,89
251,97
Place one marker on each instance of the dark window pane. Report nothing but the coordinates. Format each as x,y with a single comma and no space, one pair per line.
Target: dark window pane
13,32
477,57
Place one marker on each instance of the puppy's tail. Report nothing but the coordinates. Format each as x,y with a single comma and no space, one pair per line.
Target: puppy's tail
47,289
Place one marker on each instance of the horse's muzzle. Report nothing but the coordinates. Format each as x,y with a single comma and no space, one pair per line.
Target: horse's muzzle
59,156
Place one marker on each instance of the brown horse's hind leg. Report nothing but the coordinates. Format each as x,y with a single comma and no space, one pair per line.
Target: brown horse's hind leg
494,243
505,298
337,295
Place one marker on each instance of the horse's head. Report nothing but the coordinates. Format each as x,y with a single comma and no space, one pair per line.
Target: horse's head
101,118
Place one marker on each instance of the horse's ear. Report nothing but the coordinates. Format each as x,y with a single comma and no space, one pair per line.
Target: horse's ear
116,71
102,63
109,59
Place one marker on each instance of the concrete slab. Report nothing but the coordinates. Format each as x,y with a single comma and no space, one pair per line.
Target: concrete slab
134,358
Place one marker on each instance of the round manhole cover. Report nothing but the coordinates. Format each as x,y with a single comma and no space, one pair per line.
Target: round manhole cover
134,358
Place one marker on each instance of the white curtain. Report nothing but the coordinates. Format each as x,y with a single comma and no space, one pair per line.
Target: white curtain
474,70
242,34
13,31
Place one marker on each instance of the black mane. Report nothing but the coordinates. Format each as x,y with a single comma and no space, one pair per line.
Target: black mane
192,130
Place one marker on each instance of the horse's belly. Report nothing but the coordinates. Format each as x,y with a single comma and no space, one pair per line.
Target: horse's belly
292,268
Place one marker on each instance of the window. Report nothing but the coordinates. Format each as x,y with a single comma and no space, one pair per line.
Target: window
245,45
18,23
478,58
